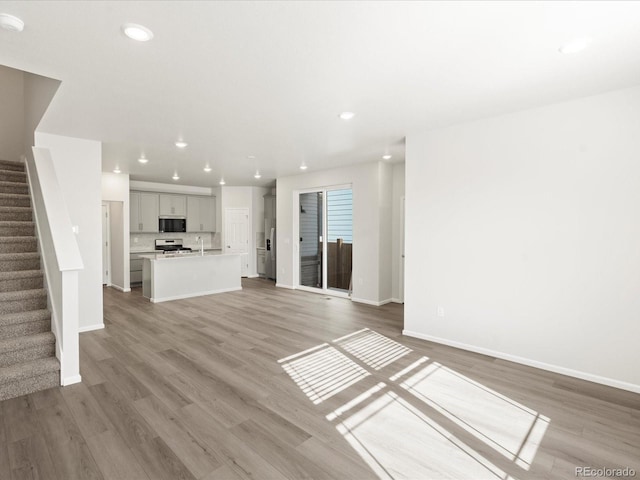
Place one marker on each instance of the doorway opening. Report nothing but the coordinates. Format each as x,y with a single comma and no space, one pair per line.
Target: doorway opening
325,231
236,235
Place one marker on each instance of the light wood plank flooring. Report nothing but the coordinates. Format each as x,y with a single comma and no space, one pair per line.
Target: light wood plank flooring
268,383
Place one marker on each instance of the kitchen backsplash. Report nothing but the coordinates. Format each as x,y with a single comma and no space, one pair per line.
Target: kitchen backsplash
146,241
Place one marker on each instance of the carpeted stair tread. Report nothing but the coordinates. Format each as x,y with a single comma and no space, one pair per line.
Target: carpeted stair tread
35,368
16,214
18,245
21,186
18,238
13,176
24,317
22,295
17,256
20,274
14,223
15,199
14,208
13,166
26,342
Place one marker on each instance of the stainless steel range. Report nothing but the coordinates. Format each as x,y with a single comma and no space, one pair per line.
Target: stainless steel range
171,246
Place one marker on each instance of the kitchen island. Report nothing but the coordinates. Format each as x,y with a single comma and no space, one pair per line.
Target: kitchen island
175,276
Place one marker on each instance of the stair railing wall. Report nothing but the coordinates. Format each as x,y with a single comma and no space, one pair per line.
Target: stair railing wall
60,258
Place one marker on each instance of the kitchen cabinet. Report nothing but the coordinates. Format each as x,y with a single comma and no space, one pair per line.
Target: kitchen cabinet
135,269
143,212
173,205
201,214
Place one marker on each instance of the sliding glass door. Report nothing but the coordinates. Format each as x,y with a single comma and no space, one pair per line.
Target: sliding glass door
311,239
326,239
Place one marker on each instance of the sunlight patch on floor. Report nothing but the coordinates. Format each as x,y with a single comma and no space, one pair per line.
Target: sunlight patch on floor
397,440
426,421
372,348
323,372
509,427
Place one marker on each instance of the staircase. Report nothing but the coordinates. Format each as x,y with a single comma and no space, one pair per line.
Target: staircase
27,346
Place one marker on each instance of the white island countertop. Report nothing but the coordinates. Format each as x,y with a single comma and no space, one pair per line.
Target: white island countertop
167,256
184,275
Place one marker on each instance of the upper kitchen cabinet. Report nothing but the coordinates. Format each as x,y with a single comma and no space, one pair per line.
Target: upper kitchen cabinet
143,212
173,205
201,214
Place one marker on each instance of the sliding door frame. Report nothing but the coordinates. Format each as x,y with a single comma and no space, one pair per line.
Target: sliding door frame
296,250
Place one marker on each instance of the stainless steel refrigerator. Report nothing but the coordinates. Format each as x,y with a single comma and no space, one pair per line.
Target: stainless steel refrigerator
270,254
270,236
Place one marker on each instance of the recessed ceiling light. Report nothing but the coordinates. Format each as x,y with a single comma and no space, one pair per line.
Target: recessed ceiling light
347,115
386,157
181,144
303,167
175,176
9,22
257,175
575,46
142,159
117,170
251,157
222,182
137,32
207,168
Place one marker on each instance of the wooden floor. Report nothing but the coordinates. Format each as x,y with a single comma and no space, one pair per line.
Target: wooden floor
268,383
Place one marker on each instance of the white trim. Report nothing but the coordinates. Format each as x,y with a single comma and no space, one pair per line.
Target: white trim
191,295
117,287
322,291
526,361
107,208
395,300
253,276
288,287
371,302
70,380
91,328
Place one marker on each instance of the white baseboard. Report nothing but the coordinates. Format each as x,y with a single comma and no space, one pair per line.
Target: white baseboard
396,300
125,290
371,302
71,380
253,276
530,363
91,328
282,285
191,295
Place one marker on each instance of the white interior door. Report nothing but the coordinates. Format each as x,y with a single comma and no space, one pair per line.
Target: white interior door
236,235
105,245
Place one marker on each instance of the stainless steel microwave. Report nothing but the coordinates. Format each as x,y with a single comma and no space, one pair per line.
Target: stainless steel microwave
172,224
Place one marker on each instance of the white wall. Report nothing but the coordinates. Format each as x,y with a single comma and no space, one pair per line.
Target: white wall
11,114
396,226
78,168
370,208
385,189
38,95
525,229
115,189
